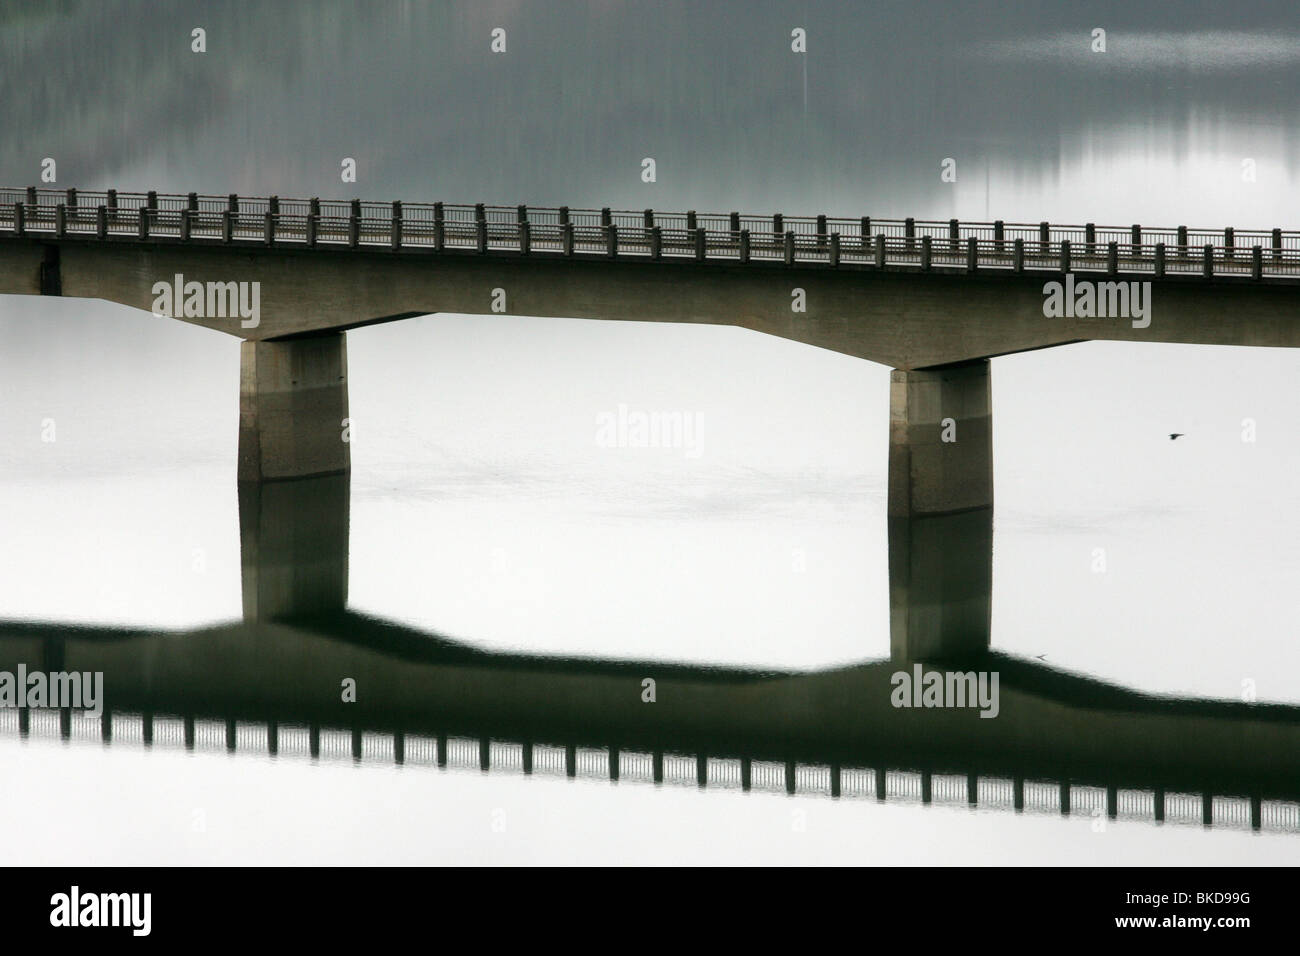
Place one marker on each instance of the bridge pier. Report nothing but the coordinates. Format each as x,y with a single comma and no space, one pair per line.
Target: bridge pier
293,542
293,402
940,512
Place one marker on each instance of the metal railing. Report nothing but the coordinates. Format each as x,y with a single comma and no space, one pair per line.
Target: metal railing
908,244
881,783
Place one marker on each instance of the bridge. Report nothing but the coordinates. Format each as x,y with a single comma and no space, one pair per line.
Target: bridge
933,300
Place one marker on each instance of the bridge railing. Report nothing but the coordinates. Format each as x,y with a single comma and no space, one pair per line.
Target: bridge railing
932,245
878,781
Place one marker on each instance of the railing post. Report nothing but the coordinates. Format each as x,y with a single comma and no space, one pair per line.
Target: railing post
865,232
480,236
835,250
72,197
151,199
734,222
1136,239
789,247
778,225
101,222
925,254
439,228
954,235
606,217
1257,262
354,224
1182,242
564,215
648,218
273,205
692,222
32,199
232,202
1228,237
1207,268
909,231
1044,239
1090,237
1112,257
521,213
1277,244
143,212
699,244
111,200
1160,259
269,227
60,220
656,242
185,225
192,201
611,240
1018,255
1065,255
744,245
480,212
821,230
313,220
395,230
972,254
880,251
567,237
525,237
999,236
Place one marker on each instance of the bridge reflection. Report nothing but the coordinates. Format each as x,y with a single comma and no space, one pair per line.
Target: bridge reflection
271,684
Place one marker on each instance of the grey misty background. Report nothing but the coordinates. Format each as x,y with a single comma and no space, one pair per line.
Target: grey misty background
711,90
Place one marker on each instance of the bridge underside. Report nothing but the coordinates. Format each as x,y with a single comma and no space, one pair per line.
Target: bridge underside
906,320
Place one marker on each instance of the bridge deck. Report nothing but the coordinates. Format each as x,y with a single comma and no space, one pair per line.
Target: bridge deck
865,243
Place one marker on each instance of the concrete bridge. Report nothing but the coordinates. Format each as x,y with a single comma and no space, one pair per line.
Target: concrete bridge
933,300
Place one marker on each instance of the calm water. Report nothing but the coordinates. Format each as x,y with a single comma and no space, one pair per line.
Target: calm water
483,510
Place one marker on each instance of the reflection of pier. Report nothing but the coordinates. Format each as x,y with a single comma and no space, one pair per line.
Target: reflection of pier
1060,743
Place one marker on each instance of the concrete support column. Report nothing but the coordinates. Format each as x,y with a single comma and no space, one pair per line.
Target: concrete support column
293,543
940,512
293,400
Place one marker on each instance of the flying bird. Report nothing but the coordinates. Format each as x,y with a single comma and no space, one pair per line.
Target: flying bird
1174,435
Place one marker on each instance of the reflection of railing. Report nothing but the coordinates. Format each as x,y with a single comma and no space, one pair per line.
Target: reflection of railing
467,753
909,244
